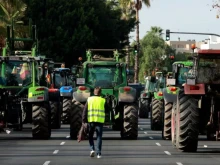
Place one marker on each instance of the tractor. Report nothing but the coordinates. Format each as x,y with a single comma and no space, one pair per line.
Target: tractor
174,83
197,106
146,96
109,74
64,80
157,103
22,99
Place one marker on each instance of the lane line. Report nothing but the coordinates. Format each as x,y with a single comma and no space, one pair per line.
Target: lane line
46,163
205,146
151,137
167,152
145,132
142,129
56,151
179,163
138,125
158,144
67,137
62,143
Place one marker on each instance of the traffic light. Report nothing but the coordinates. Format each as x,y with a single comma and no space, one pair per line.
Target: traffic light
167,35
135,48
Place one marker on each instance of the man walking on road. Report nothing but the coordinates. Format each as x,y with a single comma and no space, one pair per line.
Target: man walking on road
94,115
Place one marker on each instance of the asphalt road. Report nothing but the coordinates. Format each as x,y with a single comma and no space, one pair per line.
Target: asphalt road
18,148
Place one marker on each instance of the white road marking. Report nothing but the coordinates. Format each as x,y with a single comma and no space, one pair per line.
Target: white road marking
62,143
158,144
151,137
67,137
56,151
138,125
179,163
46,163
167,152
142,129
205,146
145,132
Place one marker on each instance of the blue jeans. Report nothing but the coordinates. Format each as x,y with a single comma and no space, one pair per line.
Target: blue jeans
98,127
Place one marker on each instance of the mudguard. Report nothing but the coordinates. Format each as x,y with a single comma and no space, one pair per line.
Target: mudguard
66,91
169,95
145,95
54,94
158,95
38,94
81,95
127,94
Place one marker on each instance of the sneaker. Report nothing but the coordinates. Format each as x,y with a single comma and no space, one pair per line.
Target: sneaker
99,156
92,153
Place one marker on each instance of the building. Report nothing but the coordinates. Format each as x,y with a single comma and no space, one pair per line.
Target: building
182,46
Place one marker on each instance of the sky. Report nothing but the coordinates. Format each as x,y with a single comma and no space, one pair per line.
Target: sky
179,16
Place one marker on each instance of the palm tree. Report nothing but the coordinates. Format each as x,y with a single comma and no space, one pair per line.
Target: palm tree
11,11
136,5
157,31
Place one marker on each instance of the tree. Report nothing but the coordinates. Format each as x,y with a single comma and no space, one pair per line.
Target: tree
11,11
137,5
154,53
67,28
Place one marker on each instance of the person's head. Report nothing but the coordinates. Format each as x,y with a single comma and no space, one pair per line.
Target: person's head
97,91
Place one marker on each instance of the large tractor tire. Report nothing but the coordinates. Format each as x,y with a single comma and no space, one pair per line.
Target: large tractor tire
41,127
167,121
75,118
66,110
130,122
156,114
55,115
187,130
144,108
173,125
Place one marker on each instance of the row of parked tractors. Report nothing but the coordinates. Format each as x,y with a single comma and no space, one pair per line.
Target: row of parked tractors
33,90
184,103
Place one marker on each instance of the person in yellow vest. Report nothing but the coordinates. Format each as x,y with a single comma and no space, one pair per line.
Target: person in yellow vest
94,115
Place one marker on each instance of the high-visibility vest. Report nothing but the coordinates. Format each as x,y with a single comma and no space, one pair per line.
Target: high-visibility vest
96,109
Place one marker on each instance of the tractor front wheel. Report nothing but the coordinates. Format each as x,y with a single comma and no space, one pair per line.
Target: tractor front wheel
144,108
75,118
55,115
130,122
41,128
156,114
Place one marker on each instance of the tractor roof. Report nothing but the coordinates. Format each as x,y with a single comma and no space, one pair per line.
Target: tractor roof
185,63
62,69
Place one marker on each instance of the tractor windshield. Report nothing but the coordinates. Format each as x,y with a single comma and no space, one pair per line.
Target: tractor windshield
160,83
15,73
60,79
150,86
182,75
105,77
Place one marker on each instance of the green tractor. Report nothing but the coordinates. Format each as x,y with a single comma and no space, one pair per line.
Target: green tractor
22,99
146,96
174,83
109,74
157,103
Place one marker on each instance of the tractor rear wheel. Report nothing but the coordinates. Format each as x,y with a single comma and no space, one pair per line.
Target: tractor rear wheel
75,118
144,108
156,114
167,121
55,115
188,123
130,122
66,110
41,128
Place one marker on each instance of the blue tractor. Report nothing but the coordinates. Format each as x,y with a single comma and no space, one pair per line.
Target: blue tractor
64,80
